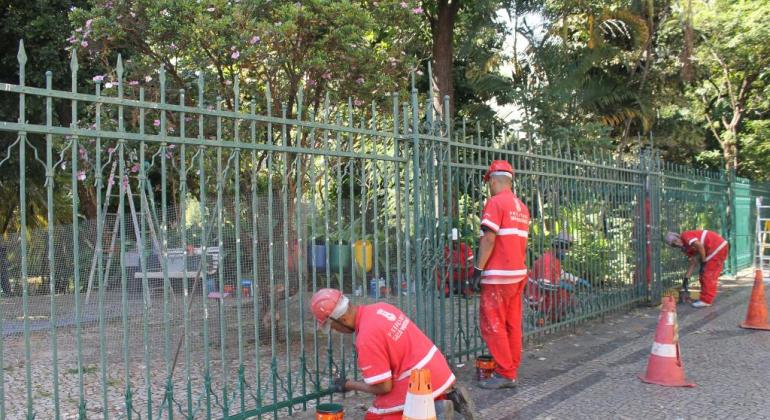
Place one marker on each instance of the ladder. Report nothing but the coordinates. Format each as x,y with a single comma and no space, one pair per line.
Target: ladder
762,246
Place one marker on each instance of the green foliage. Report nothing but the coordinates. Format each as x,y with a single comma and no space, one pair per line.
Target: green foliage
349,48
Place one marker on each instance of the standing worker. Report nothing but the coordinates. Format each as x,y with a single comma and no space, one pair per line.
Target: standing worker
500,272
389,346
711,250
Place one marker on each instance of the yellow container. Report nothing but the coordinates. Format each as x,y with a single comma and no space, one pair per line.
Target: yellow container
362,252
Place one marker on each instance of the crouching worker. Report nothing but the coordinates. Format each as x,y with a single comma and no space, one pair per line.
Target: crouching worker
389,345
708,248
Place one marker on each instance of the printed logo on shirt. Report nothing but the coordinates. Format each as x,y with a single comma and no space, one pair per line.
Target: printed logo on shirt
387,315
398,328
518,217
367,367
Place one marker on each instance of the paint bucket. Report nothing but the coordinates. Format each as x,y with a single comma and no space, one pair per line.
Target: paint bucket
485,366
329,411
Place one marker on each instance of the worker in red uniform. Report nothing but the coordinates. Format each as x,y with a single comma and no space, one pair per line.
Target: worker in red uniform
501,273
708,248
460,271
550,287
389,346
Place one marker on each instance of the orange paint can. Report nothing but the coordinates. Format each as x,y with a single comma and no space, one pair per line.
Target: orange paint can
485,366
329,411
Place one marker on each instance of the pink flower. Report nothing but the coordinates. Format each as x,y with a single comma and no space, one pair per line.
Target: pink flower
327,76
84,44
133,82
79,30
235,55
360,80
89,22
404,5
83,153
172,47
148,79
417,10
358,102
211,9
110,150
72,40
135,168
98,78
156,123
133,15
81,175
311,82
254,40
228,82
108,85
111,181
169,155
171,146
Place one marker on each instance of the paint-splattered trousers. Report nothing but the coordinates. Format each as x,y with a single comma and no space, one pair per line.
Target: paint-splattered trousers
500,323
710,275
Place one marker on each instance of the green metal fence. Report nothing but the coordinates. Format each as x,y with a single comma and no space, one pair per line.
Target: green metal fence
195,234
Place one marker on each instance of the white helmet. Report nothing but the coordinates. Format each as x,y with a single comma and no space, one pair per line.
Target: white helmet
671,237
562,239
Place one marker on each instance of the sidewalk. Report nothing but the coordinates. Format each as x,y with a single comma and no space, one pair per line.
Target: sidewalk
592,373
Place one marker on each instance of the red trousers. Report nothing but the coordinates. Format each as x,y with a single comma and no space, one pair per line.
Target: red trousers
500,322
710,275
390,416
393,416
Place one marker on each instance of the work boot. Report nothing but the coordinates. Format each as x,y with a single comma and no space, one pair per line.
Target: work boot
462,402
498,382
444,410
700,304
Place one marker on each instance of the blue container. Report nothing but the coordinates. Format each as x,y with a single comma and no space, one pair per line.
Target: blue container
211,285
317,252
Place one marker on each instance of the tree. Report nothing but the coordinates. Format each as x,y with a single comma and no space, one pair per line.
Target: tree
732,57
453,22
44,27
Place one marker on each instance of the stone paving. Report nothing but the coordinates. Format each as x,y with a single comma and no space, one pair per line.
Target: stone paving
592,372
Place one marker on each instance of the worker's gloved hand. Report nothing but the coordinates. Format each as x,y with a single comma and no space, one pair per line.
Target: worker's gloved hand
566,286
338,385
476,280
584,283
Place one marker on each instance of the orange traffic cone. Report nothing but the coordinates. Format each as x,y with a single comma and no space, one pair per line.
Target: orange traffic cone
419,403
756,316
664,366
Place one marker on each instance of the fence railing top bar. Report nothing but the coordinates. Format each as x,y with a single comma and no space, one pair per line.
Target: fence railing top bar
695,180
627,168
200,111
158,138
482,168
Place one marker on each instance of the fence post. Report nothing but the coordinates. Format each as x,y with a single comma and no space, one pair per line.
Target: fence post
732,234
651,234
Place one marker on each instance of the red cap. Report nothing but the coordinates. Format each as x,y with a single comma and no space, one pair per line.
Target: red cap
498,166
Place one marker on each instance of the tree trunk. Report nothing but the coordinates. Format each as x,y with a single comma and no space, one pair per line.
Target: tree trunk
442,29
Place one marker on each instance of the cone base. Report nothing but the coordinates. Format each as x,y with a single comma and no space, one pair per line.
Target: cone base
765,327
684,384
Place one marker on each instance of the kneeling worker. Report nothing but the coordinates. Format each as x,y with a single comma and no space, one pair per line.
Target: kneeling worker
389,346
